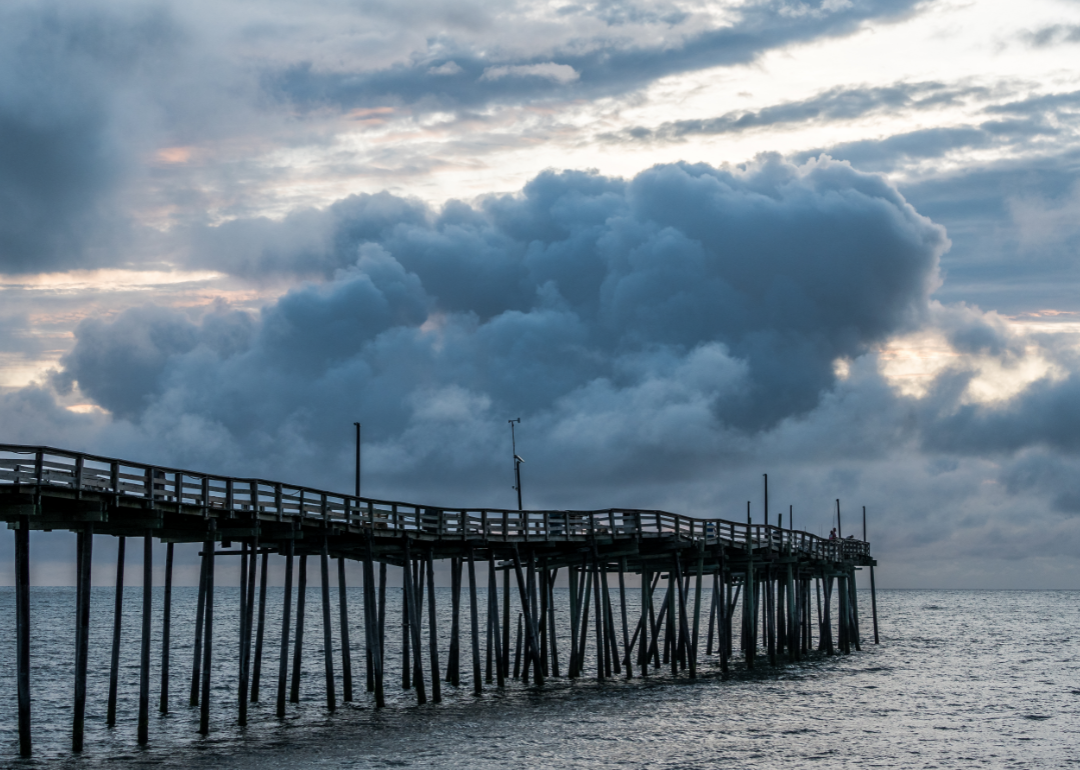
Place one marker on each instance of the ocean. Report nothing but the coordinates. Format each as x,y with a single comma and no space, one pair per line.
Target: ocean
960,679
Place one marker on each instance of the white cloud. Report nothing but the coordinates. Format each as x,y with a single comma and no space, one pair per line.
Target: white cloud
560,73
450,68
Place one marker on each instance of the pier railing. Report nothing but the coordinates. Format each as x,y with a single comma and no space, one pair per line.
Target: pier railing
37,468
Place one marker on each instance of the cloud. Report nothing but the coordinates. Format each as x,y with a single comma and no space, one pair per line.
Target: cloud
704,301
1054,34
612,52
448,68
832,105
61,163
560,73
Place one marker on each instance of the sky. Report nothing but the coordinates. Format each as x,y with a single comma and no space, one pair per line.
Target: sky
686,243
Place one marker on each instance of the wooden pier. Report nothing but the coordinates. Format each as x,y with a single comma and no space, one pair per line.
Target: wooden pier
777,572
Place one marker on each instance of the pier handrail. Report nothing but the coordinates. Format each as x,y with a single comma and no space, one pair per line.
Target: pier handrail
41,466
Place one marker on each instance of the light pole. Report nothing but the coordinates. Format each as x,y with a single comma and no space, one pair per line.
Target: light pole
357,458
517,460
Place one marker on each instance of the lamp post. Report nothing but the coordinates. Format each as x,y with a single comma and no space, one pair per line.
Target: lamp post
517,460
357,458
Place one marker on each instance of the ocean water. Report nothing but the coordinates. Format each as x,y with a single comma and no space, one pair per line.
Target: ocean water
960,679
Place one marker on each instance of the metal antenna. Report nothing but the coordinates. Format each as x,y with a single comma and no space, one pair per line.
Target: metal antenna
357,458
517,460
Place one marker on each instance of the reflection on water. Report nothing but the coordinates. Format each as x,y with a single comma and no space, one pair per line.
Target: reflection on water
962,678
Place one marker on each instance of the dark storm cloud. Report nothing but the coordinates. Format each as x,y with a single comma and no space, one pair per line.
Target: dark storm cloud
60,160
836,104
1045,415
140,343
463,78
706,302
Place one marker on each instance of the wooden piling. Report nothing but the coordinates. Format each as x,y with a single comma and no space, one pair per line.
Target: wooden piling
241,680
474,618
506,623
372,629
166,630
85,548
683,646
370,621
820,644
118,616
247,558
298,644
286,609
382,621
489,649
712,614
260,629
612,665
493,621
574,614
658,626
854,603
453,661
529,603
843,618
249,617
22,632
643,622
768,586
413,593
532,648
599,615
144,653
196,658
750,610
517,649
208,629
794,652
873,603
406,680
542,584
433,630
697,614
343,622
553,644
328,631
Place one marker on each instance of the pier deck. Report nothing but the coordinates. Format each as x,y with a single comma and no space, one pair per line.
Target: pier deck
775,569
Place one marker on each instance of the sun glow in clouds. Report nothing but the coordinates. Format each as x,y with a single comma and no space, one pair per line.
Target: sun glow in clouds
911,364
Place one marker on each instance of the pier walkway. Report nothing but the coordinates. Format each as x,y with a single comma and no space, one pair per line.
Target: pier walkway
777,572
